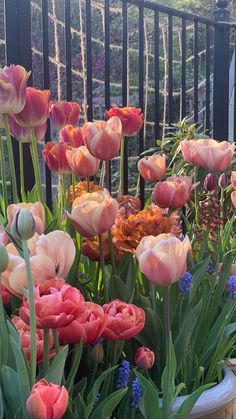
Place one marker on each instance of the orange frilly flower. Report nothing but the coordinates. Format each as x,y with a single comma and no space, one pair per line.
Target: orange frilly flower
80,189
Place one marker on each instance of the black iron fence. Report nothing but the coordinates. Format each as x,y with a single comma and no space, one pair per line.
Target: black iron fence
169,63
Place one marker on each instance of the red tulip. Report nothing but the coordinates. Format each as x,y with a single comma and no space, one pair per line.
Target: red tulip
47,401
124,321
35,111
88,326
152,168
64,113
144,358
23,134
131,119
55,158
81,162
71,135
13,80
174,192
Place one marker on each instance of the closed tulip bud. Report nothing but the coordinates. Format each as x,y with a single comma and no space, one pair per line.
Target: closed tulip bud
72,136
97,354
223,180
64,113
144,358
4,258
23,225
35,111
81,162
131,119
209,182
13,81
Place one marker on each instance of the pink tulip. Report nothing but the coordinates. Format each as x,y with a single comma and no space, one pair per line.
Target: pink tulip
36,209
233,180
81,162
72,136
209,154
23,134
162,259
35,111
4,239
103,138
13,80
174,192
55,158
144,358
64,113
94,213
233,198
152,168
5,294
131,119
47,401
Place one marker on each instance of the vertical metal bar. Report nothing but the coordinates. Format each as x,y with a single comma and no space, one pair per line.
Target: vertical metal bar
170,68
124,84
157,74
234,135
88,25
208,80
46,82
196,71
67,10
183,75
141,99
107,79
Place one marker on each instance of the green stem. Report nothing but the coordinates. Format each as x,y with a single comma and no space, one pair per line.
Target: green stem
222,196
102,267
87,184
122,156
36,165
196,195
56,340
111,250
11,159
167,319
153,296
4,331
3,173
22,176
96,283
63,184
33,353
45,351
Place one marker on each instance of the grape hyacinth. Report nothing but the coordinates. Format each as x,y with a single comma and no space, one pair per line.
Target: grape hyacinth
232,287
136,393
210,268
123,375
185,283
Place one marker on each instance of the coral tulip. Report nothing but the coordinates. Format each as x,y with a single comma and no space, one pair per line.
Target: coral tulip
233,198
35,111
233,180
55,157
13,81
71,135
131,119
162,259
103,138
37,211
124,321
47,401
88,326
23,134
144,358
174,192
81,162
209,154
152,168
64,113
94,214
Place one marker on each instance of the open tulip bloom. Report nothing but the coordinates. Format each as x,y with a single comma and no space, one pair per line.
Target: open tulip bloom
114,306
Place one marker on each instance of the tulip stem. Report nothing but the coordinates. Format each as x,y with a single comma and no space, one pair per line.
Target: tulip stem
195,194
111,249
11,159
153,296
4,330
3,173
56,340
102,267
167,318
33,353
122,157
35,159
45,351
22,177
87,184
63,192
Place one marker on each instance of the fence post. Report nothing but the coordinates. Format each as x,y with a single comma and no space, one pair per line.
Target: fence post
221,72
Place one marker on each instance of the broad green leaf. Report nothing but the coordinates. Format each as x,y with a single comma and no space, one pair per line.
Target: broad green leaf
149,402
56,368
74,368
198,277
107,406
1,405
186,407
11,388
168,379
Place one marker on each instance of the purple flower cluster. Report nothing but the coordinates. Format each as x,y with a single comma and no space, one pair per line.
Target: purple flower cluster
136,393
185,283
123,374
232,287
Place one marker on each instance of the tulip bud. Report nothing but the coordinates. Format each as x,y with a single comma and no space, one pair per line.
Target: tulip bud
144,358
97,354
23,225
4,259
209,182
223,180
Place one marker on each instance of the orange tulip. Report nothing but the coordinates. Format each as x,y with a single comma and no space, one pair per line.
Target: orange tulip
152,168
81,162
131,119
72,136
174,192
13,81
55,158
36,209
64,113
35,111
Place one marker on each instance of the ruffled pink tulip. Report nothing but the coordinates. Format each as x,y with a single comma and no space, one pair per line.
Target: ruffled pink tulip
124,321
94,213
47,401
13,81
131,119
233,180
35,111
209,154
71,135
64,113
54,155
144,358
152,168
88,326
81,162
23,134
233,198
103,138
162,259
37,211
174,192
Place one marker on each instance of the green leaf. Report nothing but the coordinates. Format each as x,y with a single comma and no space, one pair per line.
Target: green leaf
231,328
74,368
198,277
186,407
56,369
149,402
168,379
107,406
11,389
1,406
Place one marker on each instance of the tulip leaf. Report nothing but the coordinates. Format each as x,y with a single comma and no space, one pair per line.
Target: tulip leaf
107,406
1,406
4,340
149,402
198,277
11,389
56,369
74,368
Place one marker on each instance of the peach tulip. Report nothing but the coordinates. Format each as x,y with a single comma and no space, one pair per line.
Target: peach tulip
35,111
162,259
71,135
13,81
233,198
94,214
209,154
131,119
233,180
103,138
81,162
152,168
23,134
174,192
37,211
64,113
54,155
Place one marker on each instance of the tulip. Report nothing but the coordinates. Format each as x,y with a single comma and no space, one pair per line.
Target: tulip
23,134
103,138
233,180
209,154
81,162
152,168
13,81
55,307
36,210
233,198
35,111
55,157
5,294
174,192
209,182
162,259
23,225
223,180
47,401
144,358
88,326
131,119
124,321
94,213
3,236
64,113
4,258
72,136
